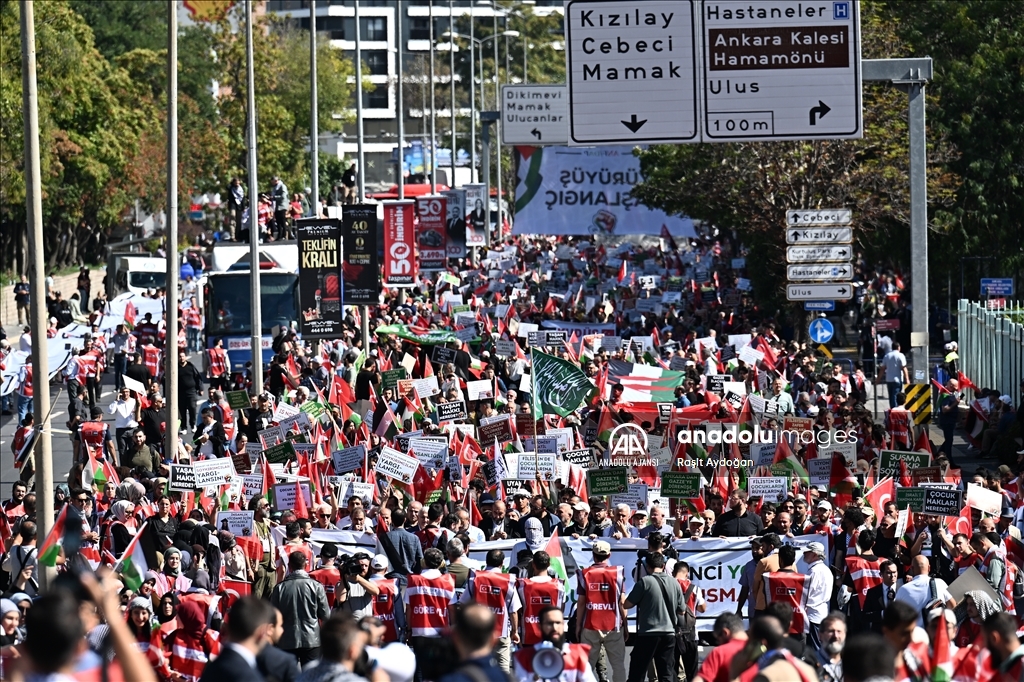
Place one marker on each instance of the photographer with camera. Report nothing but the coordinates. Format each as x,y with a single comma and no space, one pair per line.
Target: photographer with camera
656,544
541,661
355,591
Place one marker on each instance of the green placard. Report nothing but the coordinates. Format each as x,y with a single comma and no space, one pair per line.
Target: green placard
783,470
608,481
391,377
280,453
313,409
890,465
680,485
238,400
912,496
456,309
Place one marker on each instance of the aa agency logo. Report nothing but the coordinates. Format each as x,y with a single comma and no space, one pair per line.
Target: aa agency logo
628,440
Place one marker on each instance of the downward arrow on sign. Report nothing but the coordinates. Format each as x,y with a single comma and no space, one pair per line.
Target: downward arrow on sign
633,124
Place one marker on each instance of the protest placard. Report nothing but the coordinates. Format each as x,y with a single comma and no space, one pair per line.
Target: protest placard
280,453
426,388
890,462
284,410
988,501
546,444
750,356
389,378
914,497
581,457
363,491
480,390
182,478
241,462
297,423
431,451
820,471
927,475
564,437
348,460
635,497
679,485
848,450
500,429
768,488
608,481
271,436
504,349
530,465
443,355
942,501
716,383
393,464
239,523
133,385
284,495
451,411
237,400
213,472
252,484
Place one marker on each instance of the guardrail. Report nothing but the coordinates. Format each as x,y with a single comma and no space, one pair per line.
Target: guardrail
991,342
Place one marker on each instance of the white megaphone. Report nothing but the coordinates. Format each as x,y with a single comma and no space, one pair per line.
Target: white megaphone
548,663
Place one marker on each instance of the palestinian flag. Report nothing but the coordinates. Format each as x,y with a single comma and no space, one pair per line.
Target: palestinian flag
977,421
50,550
644,383
97,471
942,662
554,550
559,387
784,456
132,566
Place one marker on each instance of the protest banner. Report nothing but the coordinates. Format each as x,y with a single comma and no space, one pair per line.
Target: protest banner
820,471
890,462
237,400
363,491
284,495
389,378
679,485
280,453
431,451
912,497
500,430
530,464
348,460
393,464
768,488
252,484
241,462
635,496
239,523
271,436
581,457
451,411
480,390
182,478
213,472
942,501
983,499
546,444
608,481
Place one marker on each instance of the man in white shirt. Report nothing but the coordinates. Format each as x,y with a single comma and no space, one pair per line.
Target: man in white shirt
657,524
621,527
465,524
896,373
123,409
920,592
819,587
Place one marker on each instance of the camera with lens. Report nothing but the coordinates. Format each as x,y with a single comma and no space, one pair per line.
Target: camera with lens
658,543
350,566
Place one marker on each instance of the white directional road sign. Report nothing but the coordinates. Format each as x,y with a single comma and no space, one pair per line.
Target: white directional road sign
828,216
534,115
819,235
818,254
813,272
631,71
781,70
818,292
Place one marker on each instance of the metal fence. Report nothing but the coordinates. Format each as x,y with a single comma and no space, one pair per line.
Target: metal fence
991,344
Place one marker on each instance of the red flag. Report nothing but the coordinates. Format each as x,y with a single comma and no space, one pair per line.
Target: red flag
965,382
475,517
129,315
549,307
905,480
942,389
840,472
300,510
923,444
770,359
942,664
962,523
880,494
621,277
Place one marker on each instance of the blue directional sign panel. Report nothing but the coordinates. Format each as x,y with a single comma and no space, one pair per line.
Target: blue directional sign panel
821,330
997,286
825,306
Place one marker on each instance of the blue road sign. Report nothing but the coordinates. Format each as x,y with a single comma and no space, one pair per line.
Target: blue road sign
997,286
821,330
820,305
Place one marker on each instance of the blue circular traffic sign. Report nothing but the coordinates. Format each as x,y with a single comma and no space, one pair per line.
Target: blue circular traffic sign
821,330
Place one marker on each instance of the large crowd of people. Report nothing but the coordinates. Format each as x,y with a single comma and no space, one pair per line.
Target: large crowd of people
419,505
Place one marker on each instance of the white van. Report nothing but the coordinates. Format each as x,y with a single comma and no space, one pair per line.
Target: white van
140,273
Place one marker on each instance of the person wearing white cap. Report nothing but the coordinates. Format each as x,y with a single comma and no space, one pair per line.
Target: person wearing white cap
603,620
385,600
819,588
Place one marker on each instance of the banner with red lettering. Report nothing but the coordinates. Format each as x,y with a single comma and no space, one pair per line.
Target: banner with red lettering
399,245
432,233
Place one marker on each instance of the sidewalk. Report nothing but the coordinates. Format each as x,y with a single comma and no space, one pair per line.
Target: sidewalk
66,284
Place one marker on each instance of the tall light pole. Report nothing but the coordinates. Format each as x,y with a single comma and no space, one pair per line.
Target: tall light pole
433,116
314,123
256,336
43,455
497,132
400,106
472,93
173,273
451,67
361,175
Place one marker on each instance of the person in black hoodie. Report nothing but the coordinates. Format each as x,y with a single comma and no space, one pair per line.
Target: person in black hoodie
190,385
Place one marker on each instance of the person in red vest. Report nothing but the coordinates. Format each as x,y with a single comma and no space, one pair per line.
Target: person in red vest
497,591
602,623
15,507
427,597
537,591
94,435
790,587
328,574
693,597
862,573
385,600
899,421
575,657
217,365
21,446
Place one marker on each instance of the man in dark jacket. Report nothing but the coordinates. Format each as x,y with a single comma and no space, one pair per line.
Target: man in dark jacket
275,664
303,604
403,549
190,384
211,432
248,631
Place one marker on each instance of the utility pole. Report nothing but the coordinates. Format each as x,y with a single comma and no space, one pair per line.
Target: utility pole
361,175
400,106
314,116
43,454
256,337
472,94
497,133
173,272
451,67
433,117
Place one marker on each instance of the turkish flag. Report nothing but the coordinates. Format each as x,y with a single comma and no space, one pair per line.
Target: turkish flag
880,494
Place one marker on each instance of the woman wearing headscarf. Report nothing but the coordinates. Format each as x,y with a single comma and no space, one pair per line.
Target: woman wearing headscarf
167,614
173,578
10,635
192,645
122,527
140,623
970,614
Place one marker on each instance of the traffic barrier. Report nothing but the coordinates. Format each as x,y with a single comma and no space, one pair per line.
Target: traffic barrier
919,402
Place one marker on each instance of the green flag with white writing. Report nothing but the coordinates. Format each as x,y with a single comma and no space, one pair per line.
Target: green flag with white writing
559,386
